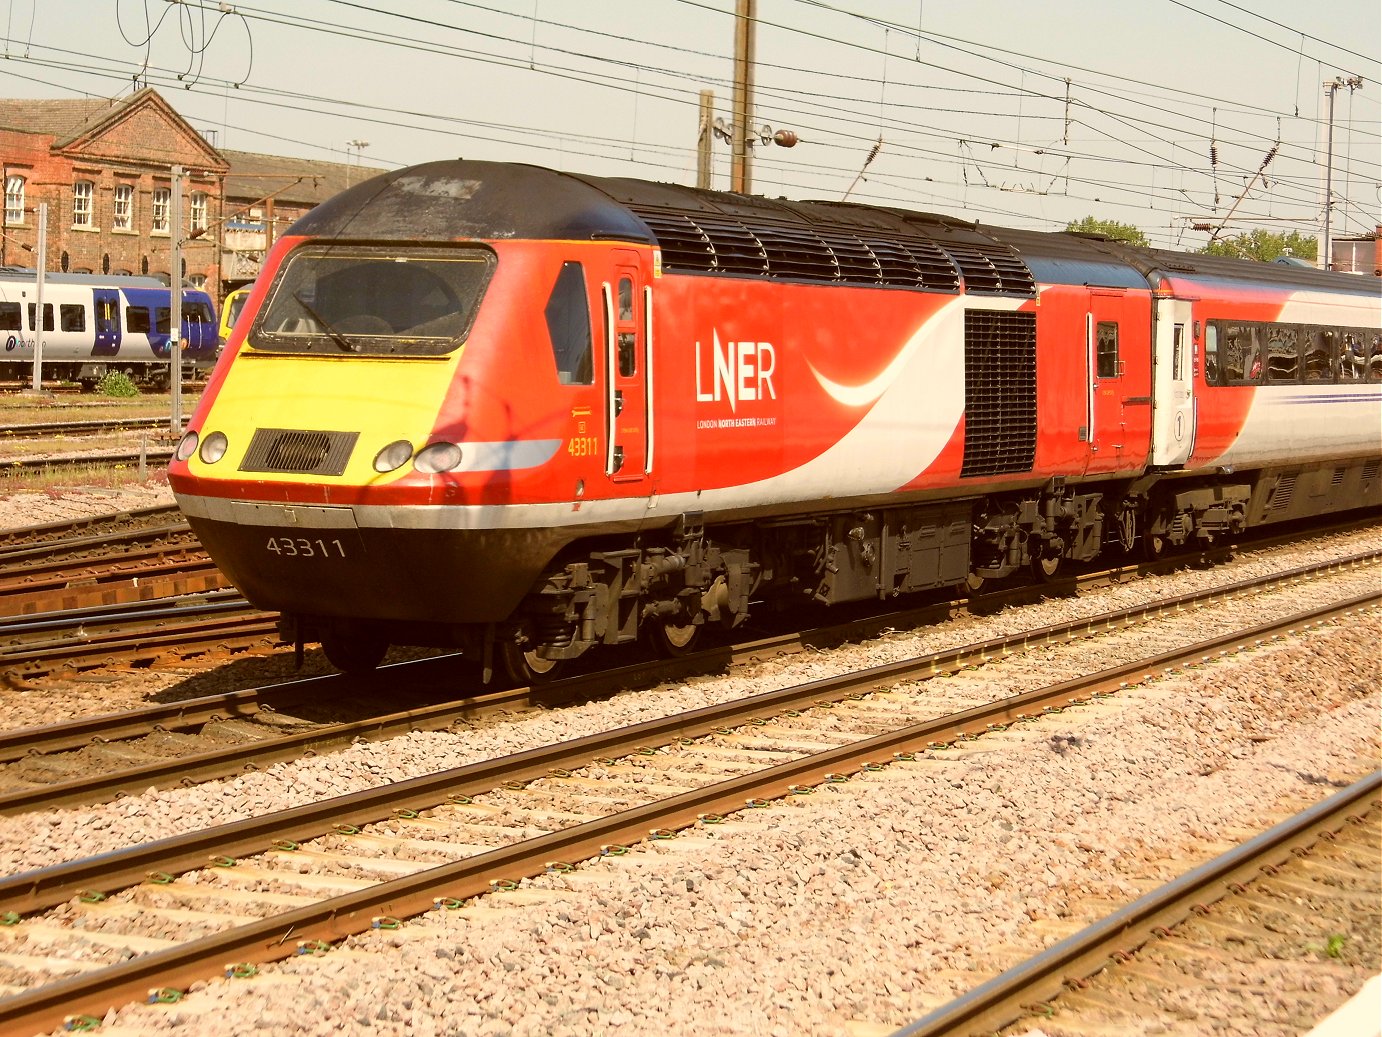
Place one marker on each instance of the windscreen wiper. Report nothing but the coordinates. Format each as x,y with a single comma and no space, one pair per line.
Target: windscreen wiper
336,336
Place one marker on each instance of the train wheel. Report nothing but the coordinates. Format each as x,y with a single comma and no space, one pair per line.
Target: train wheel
1047,567
1153,546
525,666
674,639
357,653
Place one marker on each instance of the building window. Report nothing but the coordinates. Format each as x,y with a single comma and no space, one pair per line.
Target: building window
83,191
123,217
197,281
163,197
14,200
198,210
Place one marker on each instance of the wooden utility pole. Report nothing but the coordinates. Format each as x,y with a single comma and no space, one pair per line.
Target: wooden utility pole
740,172
704,139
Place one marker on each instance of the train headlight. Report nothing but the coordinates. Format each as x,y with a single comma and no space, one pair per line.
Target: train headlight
438,457
214,447
187,446
393,456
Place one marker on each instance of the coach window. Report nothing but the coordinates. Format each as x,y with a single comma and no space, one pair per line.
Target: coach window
1107,343
568,326
628,348
9,316
83,192
137,320
1212,368
1242,363
1319,349
47,316
14,201
1283,353
72,318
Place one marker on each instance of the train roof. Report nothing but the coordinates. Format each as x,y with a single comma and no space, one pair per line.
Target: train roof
750,235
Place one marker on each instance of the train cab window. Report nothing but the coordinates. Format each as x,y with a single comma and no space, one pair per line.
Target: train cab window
47,316
376,300
1283,353
568,326
1106,342
72,318
138,320
9,316
625,299
194,311
1317,362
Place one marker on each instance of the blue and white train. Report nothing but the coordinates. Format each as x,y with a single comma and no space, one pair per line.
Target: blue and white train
94,325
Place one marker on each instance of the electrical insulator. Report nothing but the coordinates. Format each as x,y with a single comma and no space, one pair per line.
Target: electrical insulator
785,139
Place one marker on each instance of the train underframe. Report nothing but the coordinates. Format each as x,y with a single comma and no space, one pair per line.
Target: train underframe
697,576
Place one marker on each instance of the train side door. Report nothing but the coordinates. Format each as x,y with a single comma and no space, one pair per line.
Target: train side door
1105,330
1173,400
628,362
105,306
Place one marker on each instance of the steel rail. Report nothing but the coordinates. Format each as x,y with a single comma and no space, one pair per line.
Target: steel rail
29,534
17,467
1000,1001
229,760
268,939
38,429
46,887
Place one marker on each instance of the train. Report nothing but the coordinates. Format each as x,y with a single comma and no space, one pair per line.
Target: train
524,413
95,325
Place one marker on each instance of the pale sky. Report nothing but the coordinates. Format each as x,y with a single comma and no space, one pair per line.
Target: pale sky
1173,105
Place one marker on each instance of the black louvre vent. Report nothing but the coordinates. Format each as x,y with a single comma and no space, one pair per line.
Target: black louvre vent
991,271
1000,393
303,452
1370,470
718,243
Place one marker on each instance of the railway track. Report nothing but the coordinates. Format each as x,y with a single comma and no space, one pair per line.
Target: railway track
78,533
96,426
167,761
1314,873
344,865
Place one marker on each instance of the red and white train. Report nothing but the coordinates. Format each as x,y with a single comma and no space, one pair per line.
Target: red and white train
524,413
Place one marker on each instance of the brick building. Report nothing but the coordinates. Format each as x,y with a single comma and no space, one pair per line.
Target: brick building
104,168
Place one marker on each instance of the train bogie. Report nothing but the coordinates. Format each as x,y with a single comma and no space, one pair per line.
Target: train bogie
526,414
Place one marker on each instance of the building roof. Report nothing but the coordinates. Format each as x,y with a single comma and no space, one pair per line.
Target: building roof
295,181
61,118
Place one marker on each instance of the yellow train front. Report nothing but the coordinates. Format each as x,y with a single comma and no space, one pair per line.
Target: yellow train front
407,427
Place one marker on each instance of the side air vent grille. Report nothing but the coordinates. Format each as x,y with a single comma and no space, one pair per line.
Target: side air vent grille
1282,493
1000,393
715,243
297,451
1370,470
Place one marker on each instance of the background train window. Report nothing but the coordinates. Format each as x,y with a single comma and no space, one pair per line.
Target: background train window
1318,362
1283,353
47,316
9,316
137,320
72,318
374,300
568,326
1106,340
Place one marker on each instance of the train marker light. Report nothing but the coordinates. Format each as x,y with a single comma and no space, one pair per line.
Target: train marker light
437,458
214,447
393,456
187,446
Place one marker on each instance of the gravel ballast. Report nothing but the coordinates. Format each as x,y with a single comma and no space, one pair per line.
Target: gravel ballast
849,912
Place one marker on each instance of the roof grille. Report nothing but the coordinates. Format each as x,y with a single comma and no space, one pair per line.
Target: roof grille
299,451
719,243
